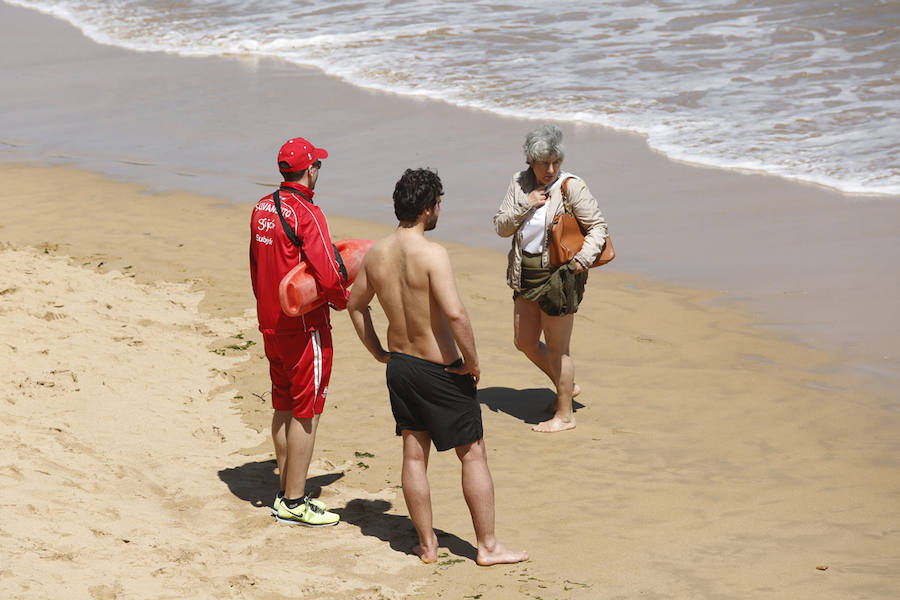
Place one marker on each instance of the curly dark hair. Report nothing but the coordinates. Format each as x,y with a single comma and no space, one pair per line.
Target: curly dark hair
415,192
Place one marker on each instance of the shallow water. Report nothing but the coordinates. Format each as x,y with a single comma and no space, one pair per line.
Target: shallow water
804,89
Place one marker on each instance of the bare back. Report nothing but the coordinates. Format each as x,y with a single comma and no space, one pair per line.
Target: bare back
413,282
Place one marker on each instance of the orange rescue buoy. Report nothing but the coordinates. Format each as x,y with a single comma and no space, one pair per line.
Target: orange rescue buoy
298,291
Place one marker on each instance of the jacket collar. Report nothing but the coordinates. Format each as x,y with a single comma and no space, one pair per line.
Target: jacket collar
293,186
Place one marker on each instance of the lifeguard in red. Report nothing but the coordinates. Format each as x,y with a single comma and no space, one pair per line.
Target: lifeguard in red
299,348
285,228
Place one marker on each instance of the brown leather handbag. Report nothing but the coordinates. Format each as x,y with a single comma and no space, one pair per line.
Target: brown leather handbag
567,238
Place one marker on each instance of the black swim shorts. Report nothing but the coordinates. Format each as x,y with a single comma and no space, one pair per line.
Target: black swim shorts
425,397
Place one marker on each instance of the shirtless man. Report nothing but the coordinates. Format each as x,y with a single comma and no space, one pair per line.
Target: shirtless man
432,389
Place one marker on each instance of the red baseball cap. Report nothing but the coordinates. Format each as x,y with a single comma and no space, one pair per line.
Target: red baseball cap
298,154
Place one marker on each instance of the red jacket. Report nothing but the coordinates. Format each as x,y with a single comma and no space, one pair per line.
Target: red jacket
272,255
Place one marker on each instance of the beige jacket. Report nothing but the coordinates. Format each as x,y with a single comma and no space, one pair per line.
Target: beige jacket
516,210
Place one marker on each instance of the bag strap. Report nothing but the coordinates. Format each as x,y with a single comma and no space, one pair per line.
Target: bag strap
564,188
295,240
288,230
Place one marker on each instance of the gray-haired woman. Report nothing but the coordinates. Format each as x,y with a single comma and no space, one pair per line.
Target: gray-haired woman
545,297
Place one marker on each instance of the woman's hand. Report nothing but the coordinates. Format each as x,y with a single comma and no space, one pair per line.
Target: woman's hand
538,197
578,268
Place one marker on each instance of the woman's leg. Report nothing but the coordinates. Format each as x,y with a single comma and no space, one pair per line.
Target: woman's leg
527,328
527,334
558,333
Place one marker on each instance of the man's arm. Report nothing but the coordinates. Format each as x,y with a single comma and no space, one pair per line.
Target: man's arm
443,289
358,307
318,253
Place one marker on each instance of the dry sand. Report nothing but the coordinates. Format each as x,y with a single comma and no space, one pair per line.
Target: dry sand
709,461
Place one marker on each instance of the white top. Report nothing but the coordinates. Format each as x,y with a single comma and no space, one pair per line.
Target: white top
535,228
533,231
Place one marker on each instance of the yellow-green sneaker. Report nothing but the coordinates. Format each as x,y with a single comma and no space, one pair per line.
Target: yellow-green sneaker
280,496
276,503
306,513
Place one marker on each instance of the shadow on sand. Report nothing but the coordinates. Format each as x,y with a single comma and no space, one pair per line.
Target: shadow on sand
373,520
257,482
529,406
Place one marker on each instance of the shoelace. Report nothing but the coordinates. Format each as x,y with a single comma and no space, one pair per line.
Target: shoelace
313,507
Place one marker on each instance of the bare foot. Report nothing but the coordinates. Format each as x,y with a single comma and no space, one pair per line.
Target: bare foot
426,556
576,389
500,555
555,424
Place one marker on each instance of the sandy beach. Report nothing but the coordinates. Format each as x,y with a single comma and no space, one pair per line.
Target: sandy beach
809,262
737,432
710,460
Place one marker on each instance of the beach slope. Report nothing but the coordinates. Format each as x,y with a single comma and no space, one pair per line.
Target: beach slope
709,461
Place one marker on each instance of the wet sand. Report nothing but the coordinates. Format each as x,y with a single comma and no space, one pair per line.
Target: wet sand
810,263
